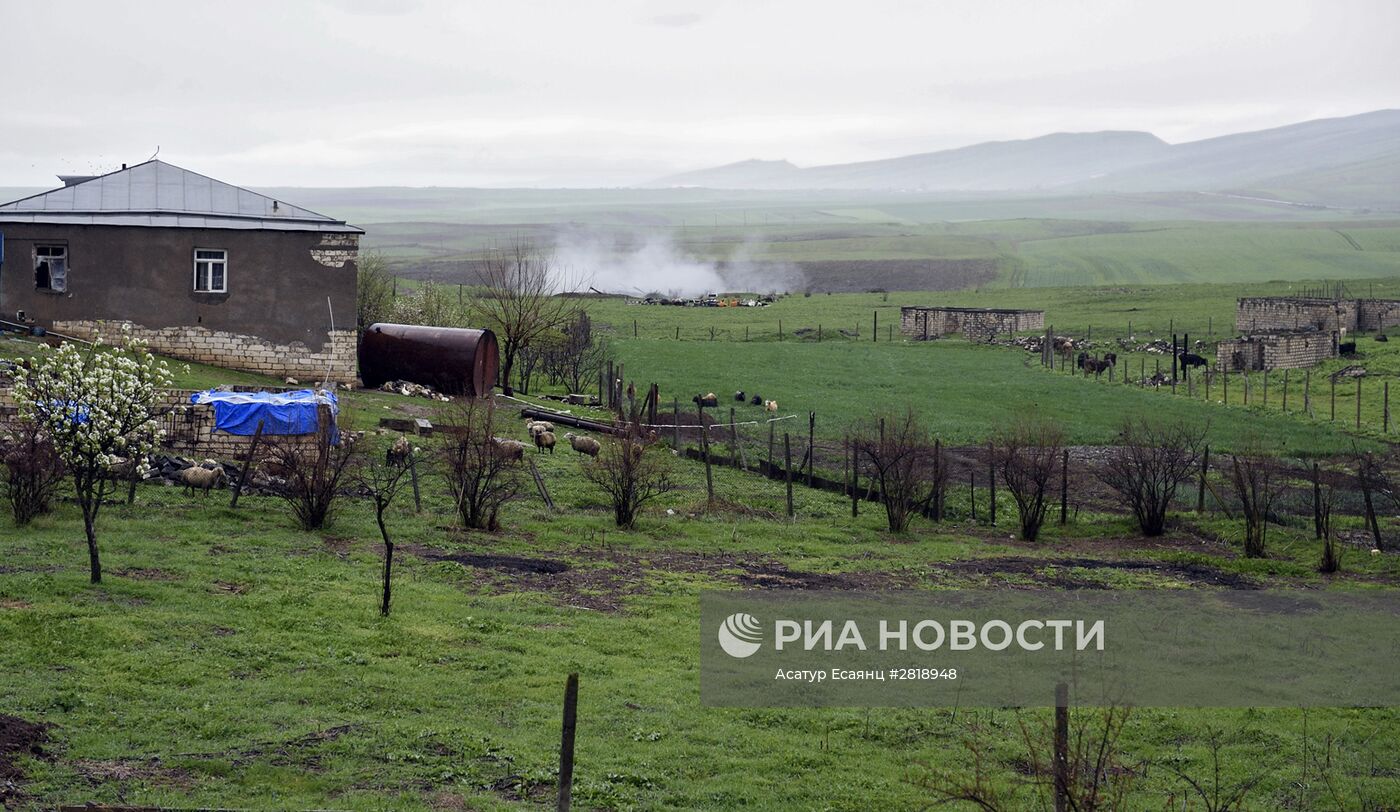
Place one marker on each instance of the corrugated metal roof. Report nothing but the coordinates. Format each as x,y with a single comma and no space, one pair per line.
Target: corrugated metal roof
156,193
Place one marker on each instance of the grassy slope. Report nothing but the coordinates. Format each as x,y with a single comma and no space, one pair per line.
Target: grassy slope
220,637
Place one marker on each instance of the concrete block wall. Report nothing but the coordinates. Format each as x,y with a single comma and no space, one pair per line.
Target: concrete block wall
232,351
975,324
1275,351
1377,314
1258,314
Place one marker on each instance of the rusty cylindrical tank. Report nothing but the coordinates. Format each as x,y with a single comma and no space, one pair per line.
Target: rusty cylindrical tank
452,360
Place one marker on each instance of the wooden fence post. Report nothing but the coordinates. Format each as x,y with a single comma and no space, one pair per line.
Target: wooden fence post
566,744
1317,501
705,449
247,463
1201,482
1333,415
676,423
875,326
855,481
1064,487
991,486
787,471
733,439
413,478
1358,404
1385,409
811,448
1061,755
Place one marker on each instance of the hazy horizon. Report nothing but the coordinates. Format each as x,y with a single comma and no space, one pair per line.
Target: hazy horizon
353,93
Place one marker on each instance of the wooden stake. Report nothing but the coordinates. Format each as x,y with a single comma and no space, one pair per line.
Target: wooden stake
1064,487
1201,482
811,447
705,449
247,463
566,744
1061,754
413,478
787,471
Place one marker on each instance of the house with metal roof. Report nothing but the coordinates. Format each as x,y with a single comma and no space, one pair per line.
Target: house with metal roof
203,270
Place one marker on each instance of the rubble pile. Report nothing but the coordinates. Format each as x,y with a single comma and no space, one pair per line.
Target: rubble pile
414,390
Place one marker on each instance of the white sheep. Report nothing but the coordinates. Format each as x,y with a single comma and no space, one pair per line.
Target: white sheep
197,476
399,453
770,405
535,427
543,440
509,449
584,445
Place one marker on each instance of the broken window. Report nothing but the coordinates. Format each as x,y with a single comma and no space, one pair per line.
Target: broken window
51,268
210,270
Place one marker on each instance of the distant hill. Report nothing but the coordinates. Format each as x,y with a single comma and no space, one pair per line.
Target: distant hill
1347,161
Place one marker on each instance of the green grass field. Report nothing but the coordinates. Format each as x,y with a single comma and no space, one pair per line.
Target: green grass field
232,660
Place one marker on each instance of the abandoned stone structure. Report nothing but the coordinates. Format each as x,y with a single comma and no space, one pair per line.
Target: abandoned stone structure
1263,314
1292,349
203,270
975,323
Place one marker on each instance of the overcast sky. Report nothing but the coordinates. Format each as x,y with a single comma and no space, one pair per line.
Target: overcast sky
409,92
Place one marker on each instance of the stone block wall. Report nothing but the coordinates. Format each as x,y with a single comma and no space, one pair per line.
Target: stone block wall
976,324
1260,314
1377,314
1275,351
337,359
189,430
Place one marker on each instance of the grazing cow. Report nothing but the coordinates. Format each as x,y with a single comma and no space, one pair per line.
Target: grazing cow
1190,359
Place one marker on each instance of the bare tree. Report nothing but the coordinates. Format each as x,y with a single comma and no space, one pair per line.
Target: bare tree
1223,790
32,469
898,452
520,301
1254,476
632,468
374,290
1152,460
383,480
1026,454
313,472
482,472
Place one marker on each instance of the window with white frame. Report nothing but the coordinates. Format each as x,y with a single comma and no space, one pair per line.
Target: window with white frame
51,268
210,270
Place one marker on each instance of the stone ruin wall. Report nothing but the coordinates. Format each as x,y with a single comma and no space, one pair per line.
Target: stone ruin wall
975,325
1275,351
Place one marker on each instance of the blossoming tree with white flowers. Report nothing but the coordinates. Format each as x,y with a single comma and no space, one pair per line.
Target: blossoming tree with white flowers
97,404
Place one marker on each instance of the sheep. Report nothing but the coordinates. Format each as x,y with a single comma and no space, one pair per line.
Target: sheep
770,405
706,400
509,449
1381,338
399,453
1346,348
543,440
756,400
1190,359
739,396
198,476
124,468
584,445
536,427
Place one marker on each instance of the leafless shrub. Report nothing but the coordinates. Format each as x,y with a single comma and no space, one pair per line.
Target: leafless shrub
1325,494
374,289
481,474
1152,460
313,472
631,469
898,453
1219,790
1255,477
1371,475
383,479
33,469
1026,454
1097,775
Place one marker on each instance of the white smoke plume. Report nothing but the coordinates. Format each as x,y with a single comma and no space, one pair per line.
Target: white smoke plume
636,265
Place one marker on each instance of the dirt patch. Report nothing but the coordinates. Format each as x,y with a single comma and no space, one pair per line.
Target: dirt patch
232,588
602,579
15,603
18,738
503,563
145,574
1057,572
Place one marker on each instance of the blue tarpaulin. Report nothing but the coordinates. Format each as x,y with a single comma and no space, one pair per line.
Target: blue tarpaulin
280,412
